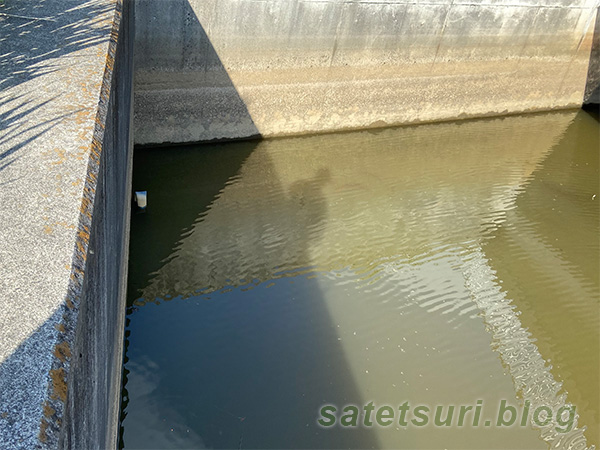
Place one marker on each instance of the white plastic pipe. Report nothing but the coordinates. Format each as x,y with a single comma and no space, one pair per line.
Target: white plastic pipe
141,199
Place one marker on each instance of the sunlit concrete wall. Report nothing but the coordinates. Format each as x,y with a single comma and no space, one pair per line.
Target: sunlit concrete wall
208,69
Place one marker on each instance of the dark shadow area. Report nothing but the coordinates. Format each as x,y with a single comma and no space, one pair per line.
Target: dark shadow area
181,182
235,371
251,368
591,98
593,109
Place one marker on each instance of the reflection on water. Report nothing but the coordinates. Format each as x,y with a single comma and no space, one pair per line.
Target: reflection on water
438,264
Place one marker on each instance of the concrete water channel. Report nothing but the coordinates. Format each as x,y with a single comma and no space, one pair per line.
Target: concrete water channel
439,264
478,239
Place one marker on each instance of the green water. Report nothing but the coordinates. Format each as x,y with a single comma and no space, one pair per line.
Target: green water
440,265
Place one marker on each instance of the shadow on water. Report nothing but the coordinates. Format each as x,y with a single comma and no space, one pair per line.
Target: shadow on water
181,182
210,390
283,347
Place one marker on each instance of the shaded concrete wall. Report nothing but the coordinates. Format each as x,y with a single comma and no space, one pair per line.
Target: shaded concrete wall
592,88
90,419
303,66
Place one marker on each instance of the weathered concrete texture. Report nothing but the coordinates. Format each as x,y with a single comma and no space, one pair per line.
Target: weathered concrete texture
592,88
94,382
221,69
58,140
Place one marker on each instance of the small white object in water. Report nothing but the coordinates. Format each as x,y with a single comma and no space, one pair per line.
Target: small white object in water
141,199
593,196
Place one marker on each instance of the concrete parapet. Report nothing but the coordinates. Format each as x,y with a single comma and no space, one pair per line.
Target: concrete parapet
65,152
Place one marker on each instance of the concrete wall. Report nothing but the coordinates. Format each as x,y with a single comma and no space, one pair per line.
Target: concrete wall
65,152
91,413
592,88
222,69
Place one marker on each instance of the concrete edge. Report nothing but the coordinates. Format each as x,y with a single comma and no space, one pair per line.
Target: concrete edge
60,377
591,98
374,126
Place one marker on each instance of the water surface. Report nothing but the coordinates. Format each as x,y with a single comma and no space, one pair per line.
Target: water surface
438,264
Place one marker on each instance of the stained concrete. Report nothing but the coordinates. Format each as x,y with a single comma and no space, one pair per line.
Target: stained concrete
58,138
316,66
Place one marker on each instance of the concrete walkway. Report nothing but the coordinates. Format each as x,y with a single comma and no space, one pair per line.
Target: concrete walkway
52,65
